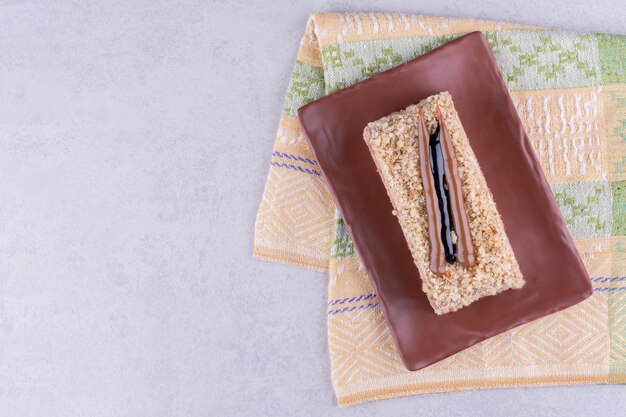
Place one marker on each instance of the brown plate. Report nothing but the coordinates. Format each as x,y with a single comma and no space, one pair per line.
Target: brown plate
554,273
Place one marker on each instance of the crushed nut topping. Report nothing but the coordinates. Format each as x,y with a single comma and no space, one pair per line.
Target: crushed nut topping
393,143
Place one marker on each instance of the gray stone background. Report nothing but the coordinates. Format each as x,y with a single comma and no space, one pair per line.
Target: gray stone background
135,137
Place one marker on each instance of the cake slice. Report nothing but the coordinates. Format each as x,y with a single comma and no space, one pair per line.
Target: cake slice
446,211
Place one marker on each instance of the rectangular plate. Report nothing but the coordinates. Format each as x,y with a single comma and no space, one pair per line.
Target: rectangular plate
555,275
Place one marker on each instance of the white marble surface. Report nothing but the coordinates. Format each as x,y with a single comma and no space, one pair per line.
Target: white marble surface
135,137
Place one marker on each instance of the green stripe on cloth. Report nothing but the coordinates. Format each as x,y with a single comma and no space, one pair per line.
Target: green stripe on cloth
348,63
618,189
306,84
612,49
538,59
342,246
528,59
586,208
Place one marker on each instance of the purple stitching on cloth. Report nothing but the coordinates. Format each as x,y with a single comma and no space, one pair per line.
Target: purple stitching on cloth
294,157
374,305
616,279
347,309
295,167
351,299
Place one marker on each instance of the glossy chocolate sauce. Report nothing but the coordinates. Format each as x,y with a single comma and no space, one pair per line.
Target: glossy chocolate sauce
433,212
443,200
464,249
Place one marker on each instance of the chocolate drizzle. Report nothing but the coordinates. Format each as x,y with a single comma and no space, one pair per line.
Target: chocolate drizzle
464,250
444,198
438,171
437,251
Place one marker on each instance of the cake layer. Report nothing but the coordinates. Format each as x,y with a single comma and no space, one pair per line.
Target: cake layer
487,264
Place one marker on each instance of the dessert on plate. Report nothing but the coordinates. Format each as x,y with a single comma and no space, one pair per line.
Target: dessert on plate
443,204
